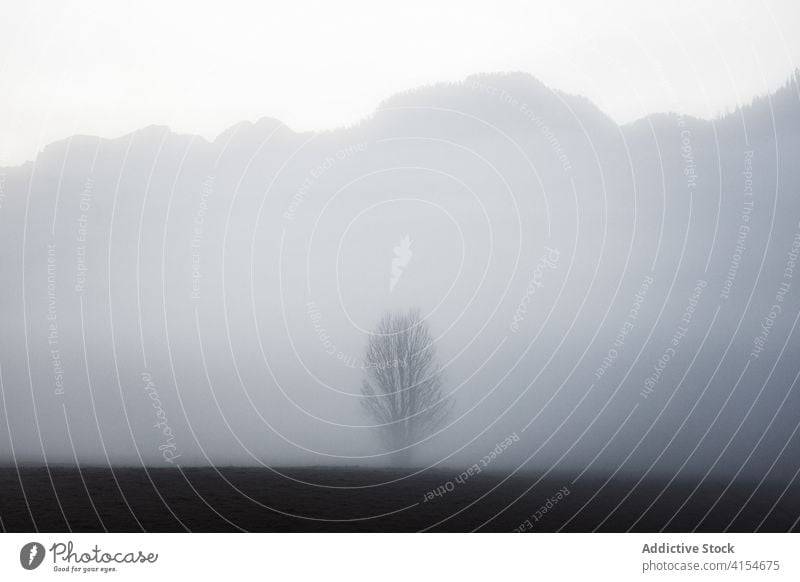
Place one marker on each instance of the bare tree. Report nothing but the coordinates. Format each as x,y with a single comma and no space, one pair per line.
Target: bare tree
403,388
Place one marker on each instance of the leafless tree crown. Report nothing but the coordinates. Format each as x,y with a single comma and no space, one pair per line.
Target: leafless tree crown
403,390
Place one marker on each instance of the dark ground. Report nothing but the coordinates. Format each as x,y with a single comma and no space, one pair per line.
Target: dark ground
200,499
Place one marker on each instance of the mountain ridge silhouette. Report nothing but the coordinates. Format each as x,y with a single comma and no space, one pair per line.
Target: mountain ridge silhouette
525,87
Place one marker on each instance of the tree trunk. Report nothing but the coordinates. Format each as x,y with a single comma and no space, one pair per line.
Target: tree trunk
401,458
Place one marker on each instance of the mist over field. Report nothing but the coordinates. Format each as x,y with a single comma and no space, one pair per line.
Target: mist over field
606,299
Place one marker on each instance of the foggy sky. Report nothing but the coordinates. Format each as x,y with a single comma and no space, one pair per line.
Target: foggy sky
107,69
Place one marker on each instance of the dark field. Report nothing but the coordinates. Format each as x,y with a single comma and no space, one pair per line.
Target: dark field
342,499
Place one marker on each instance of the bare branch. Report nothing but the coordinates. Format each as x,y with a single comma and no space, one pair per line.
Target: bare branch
403,391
